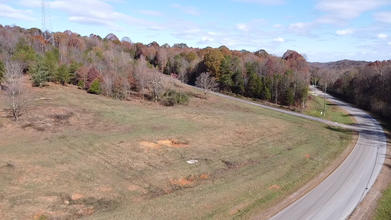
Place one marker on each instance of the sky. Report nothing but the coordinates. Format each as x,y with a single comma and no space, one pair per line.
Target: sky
323,30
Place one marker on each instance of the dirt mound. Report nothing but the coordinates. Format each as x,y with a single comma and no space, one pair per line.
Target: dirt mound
150,145
166,143
182,182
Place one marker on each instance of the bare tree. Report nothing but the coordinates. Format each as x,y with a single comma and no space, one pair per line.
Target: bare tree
162,58
141,75
108,83
16,95
206,82
158,84
125,88
183,70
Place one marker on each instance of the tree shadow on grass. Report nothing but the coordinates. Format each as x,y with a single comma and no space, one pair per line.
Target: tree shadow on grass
339,129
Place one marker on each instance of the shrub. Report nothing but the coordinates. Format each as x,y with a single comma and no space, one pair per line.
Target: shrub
172,98
95,87
80,84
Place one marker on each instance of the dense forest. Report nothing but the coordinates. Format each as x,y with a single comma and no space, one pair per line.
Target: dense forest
114,67
366,84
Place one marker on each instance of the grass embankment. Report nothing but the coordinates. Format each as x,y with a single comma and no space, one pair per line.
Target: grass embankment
315,107
383,209
75,155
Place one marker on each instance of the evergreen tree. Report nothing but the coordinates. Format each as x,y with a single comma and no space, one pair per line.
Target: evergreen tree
238,83
24,53
40,72
226,73
290,97
95,87
62,74
73,68
255,85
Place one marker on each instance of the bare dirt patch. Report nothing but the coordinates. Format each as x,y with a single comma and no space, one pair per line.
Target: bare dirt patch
275,187
183,182
76,196
165,143
133,187
150,145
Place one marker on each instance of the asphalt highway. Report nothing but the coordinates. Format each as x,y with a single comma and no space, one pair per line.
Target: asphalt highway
337,196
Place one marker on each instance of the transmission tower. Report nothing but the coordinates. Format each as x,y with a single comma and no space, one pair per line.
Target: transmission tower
47,33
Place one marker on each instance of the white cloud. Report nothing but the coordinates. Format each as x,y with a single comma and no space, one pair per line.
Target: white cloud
348,9
205,40
389,43
252,25
340,12
382,36
264,2
150,13
384,17
98,12
187,9
280,40
9,12
345,32
242,27
277,25
298,25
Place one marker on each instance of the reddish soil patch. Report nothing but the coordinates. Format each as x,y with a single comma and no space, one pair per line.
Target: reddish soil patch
182,182
275,187
204,176
105,189
133,188
76,196
150,145
138,199
307,155
166,143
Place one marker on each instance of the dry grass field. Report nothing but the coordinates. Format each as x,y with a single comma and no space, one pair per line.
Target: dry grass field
76,155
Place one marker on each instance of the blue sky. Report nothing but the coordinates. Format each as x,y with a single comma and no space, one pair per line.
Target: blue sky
324,30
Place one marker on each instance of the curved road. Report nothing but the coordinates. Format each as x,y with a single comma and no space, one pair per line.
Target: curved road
337,196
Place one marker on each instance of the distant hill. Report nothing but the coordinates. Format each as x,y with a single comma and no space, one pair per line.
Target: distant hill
341,64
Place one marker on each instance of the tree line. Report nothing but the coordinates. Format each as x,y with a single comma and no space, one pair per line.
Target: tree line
366,84
115,68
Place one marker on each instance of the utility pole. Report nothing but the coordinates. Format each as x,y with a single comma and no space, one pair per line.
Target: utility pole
324,105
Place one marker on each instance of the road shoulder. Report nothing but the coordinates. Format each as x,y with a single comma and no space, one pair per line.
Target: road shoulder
367,208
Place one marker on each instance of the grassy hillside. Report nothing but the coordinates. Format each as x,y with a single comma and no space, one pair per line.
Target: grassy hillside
76,155
315,107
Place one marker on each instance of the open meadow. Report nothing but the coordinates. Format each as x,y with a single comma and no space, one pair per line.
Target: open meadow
76,155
